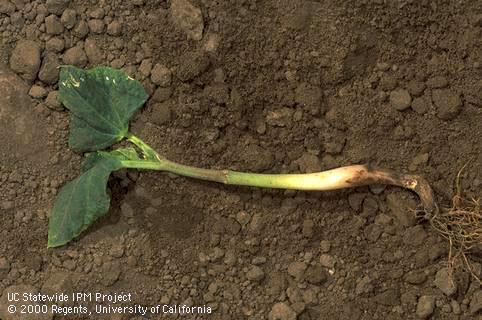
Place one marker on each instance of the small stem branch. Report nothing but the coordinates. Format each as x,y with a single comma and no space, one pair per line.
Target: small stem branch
150,153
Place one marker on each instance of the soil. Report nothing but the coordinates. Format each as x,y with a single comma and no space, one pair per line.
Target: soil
265,86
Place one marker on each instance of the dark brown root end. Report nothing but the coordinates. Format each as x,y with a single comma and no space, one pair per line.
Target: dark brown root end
426,195
412,182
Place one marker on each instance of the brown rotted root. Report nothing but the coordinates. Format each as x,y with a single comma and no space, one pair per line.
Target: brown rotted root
372,175
461,225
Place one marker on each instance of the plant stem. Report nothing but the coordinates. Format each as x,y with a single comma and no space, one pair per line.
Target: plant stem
339,178
322,181
143,164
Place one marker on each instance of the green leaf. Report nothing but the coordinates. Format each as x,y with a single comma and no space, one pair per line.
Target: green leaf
102,101
91,160
85,199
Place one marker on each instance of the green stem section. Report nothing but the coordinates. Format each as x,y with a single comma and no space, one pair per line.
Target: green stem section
327,180
322,181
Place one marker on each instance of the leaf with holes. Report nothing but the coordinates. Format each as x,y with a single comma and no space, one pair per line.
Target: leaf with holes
84,200
102,101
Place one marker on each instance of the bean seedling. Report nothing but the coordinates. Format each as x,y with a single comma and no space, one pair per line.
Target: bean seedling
103,100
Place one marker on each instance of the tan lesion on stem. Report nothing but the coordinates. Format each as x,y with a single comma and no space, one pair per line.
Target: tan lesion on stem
367,174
